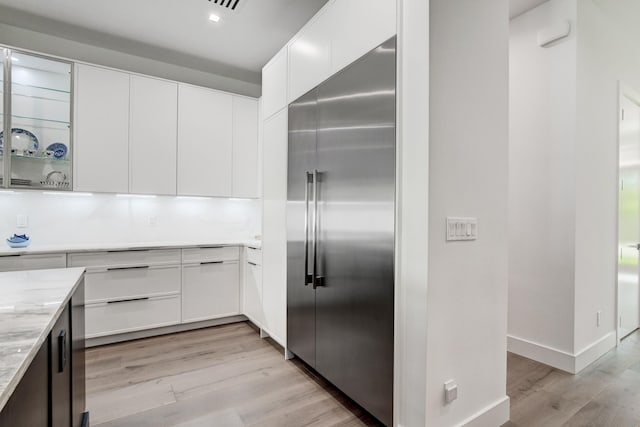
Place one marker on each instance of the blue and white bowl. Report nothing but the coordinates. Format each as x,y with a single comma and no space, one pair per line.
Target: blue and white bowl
18,241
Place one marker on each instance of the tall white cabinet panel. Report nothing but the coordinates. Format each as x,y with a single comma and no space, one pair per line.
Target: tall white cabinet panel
204,142
350,41
310,56
245,147
101,160
274,84
153,136
274,233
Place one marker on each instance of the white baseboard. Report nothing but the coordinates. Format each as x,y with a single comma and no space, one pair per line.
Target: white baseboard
493,415
595,351
572,363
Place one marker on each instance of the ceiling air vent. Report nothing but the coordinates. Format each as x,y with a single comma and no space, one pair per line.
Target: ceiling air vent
229,4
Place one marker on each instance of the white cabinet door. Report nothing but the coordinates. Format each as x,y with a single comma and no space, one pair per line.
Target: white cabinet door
204,142
101,142
33,262
153,136
274,84
245,147
274,233
310,56
350,41
252,293
210,290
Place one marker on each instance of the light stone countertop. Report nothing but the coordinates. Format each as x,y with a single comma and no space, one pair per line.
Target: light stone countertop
30,304
101,247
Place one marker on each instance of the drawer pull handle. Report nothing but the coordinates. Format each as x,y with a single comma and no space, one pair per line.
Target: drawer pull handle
139,267
128,300
251,247
211,247
129,250
212,262
252,263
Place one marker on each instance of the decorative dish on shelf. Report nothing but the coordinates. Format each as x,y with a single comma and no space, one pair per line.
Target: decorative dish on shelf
18,241
58,150
55,179
21,140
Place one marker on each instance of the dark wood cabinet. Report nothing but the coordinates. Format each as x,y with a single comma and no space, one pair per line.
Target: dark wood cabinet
52,390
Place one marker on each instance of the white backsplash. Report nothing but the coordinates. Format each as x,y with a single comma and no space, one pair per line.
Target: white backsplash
69,219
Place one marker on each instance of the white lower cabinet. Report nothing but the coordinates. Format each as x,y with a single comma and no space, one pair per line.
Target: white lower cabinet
252,288
130,315
210,290
121,283
32,262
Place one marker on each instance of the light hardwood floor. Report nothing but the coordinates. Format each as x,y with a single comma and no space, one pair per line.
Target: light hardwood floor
606,394
222,376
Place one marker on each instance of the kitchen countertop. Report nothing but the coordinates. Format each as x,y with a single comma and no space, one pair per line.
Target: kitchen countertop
30,304
101,247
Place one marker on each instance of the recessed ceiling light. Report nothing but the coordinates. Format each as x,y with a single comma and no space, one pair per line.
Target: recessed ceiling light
213,17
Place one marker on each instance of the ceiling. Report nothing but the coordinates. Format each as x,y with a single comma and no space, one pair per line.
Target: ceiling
518,7
174,31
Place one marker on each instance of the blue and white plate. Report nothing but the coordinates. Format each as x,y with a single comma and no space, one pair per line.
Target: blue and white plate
18,241
59,150
21,140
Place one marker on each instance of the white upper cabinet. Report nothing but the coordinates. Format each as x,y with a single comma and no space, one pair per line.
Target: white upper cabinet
204,142
274,84
152,136
101,161
245,147
350,41
310,55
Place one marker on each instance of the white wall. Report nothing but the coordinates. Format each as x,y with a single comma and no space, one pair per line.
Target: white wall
541,180
563,179
608,51
61,220
467,289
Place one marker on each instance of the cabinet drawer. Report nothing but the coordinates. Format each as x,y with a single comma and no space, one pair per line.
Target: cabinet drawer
120,317
210,291
208,254
125,258
119,283
254,256
33,262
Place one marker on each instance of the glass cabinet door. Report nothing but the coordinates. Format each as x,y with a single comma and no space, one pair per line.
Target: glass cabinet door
40,121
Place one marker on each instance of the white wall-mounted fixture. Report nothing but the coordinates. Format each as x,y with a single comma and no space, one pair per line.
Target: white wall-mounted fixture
462,228
554,33
214,18
450,391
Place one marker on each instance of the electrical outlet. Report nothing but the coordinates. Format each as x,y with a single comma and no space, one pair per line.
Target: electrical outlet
450,391
22,221
598,318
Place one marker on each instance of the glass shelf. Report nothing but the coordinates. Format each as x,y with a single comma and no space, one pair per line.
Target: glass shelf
38,159
38,119
38,87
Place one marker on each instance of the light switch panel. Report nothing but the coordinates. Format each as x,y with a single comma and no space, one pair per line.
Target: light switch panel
462,228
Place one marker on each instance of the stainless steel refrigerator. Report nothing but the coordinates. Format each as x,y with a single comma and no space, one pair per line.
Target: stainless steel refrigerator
340,229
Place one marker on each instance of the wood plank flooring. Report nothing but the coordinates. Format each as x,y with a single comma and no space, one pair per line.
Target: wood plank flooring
606,394
228,376
222,376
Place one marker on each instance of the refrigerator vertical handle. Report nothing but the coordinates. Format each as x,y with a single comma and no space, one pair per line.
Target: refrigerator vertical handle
315,278
308,179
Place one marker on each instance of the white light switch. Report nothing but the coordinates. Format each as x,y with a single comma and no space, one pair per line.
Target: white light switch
450,391
22,221
462,228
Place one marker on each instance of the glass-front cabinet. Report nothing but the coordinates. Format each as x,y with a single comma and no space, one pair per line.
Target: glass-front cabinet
36,113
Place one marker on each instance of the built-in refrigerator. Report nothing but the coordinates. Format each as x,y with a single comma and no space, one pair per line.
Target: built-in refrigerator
341,229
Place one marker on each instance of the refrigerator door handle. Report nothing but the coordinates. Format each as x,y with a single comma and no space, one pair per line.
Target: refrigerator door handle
308,179
316,279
